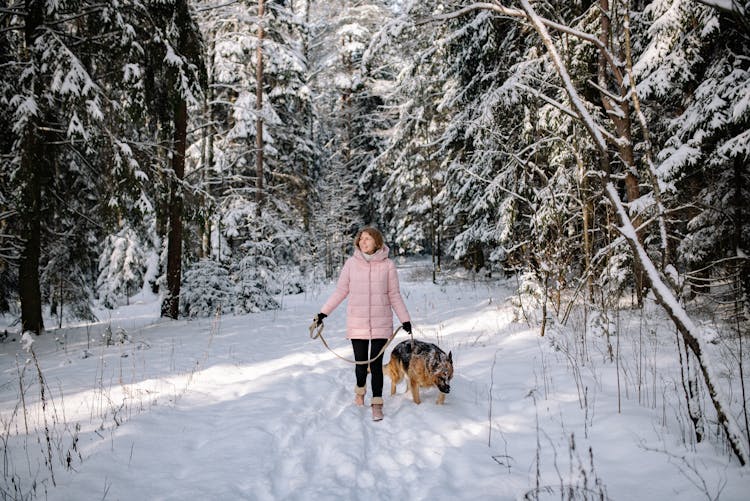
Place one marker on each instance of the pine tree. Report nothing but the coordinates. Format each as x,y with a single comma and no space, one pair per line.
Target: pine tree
68,152
207,290
702,83
288,155
411,167
347,112
122,266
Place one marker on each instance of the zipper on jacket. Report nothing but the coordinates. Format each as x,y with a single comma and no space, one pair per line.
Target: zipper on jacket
369,297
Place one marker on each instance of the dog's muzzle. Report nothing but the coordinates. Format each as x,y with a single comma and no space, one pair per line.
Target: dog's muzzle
445,388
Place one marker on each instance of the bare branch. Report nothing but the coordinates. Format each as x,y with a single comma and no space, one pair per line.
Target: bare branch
733,8
497,185
613,97
495,7
517,13
583,113
565,109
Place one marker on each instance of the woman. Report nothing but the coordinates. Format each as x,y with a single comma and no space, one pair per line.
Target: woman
370,280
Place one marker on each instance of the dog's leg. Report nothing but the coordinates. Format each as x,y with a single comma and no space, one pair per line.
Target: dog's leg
415,391
389,370
394,371
441,398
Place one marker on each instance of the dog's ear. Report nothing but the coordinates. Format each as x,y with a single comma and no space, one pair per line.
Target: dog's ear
450,356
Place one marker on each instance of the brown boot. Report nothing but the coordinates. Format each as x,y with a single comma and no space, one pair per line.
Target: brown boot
359,396
377,408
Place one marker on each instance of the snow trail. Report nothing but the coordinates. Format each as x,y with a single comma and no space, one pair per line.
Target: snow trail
253,409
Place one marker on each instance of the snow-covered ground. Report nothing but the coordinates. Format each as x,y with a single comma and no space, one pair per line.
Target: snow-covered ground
251,408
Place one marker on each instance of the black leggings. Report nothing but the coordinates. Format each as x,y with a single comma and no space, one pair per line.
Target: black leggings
376,366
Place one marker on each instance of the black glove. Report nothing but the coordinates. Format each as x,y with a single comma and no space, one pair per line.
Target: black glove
407,327
319,318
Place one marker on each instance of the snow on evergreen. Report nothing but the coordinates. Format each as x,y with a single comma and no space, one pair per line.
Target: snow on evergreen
122,264
206,289
462,138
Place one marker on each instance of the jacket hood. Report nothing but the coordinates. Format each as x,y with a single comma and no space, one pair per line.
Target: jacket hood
373,294
379,255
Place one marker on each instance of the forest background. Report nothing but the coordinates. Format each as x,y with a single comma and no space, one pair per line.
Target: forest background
221,152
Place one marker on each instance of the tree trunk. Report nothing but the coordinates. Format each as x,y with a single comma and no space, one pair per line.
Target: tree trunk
629,88
619,113
171,305
259,109
208,156
587,215
32,158
740,220
28,270
346,103
433,232
690,388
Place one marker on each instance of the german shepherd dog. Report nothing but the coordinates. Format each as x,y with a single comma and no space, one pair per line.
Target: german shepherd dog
423,364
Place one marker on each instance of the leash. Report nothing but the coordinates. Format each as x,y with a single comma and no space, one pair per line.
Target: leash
316,331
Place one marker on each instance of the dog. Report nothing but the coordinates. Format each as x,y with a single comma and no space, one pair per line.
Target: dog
424,365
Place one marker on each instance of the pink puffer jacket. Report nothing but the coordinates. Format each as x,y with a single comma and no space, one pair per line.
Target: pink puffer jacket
373,290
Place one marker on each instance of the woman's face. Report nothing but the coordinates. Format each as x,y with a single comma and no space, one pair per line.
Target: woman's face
366,243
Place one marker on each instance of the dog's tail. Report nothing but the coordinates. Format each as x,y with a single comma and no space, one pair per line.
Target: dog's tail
394,369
